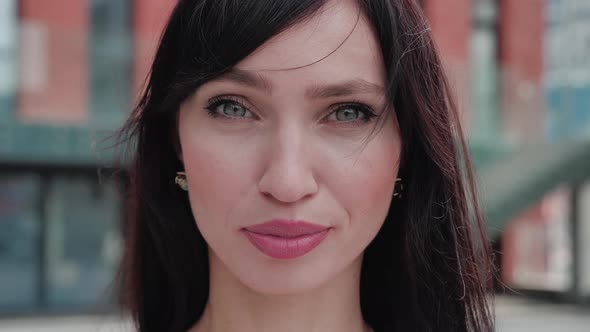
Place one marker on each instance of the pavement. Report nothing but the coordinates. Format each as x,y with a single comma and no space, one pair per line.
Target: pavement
512,315
517,314
66,324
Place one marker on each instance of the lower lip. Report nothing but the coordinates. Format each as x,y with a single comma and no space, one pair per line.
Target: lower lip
286,248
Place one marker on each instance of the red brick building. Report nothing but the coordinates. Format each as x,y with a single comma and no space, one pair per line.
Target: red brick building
54,61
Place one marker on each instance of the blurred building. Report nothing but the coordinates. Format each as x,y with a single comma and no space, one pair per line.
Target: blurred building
67,75
65,83
70,71
522,70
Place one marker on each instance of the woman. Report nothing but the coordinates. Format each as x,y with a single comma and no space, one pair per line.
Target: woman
300,167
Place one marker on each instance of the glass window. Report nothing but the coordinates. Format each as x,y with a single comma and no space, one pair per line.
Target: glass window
19,240
7,58
567,69
484,77
83,240
110,60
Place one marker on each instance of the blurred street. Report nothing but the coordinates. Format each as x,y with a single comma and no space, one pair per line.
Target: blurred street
513,315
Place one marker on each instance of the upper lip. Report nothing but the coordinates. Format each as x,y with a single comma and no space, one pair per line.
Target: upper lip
286,228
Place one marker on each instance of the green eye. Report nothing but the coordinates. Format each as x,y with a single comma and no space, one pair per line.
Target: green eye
352,113
348,114
228,108
233,110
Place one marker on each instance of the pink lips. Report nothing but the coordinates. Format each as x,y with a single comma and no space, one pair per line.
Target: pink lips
284,239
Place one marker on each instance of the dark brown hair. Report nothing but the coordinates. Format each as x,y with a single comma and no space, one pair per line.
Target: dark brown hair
428,269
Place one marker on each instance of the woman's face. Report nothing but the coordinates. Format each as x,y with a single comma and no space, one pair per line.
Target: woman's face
263,143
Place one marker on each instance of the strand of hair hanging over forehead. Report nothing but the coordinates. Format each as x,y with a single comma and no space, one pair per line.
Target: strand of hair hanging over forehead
358,16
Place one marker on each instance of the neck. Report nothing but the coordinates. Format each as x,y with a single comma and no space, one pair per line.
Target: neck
334,306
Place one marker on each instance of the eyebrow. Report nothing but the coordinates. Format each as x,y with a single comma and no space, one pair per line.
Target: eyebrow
350,87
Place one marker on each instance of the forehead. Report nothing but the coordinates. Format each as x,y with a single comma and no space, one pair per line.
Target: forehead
337,41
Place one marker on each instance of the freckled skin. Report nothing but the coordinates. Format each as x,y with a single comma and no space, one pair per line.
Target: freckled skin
292,160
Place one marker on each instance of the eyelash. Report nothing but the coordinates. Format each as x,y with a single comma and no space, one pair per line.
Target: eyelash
366,111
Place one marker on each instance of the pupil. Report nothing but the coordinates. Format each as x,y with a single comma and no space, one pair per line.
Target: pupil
347,114
233,110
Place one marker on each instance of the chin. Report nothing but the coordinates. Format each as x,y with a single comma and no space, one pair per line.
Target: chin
265,275
282,286
273,277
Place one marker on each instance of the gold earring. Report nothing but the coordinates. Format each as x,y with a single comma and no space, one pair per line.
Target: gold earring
180,180
399,188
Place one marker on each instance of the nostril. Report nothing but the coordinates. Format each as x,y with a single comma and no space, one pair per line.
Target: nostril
287,182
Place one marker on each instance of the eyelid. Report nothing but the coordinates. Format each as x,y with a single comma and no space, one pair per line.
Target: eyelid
237,99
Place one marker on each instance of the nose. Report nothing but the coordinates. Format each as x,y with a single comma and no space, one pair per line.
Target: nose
288,173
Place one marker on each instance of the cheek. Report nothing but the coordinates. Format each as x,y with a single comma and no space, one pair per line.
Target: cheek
209,176
217,180
368,191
